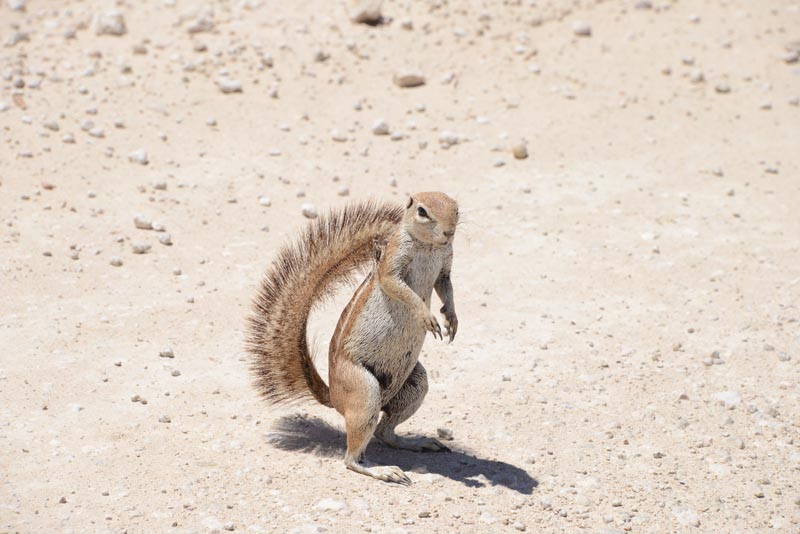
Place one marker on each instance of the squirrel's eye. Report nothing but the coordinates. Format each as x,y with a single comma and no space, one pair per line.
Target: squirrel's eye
422,213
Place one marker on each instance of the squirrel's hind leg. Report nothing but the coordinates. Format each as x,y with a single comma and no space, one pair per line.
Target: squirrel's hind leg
360,406
401,407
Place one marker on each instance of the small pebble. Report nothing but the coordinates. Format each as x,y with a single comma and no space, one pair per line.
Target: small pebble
338,135
228,85
444,433
110,22
582,28
116,261
520,150
140,248
367,12
164,419
309,211
142,223
380,127
166,353
139,156
165,239
408,78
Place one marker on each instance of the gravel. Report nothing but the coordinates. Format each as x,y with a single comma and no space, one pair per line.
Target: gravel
138,156
142,223
520,150
581,28
309,211
380,127
366,12
229,85
408,78
110,22
141,248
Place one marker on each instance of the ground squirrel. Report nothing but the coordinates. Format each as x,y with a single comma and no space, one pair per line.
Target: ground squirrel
373,365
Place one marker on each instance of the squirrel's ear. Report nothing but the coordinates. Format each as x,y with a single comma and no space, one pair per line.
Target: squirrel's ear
410,202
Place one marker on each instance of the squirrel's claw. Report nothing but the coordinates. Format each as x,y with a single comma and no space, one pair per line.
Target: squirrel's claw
450,323
432,325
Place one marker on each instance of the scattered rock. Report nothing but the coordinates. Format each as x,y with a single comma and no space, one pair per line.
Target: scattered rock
164,419
165,239
110,22
408,78
444,433
229,85
166,353
581,28
722,88
142,223
367,12
520,150
380,127
202,24
139,156
309,211
16,5
140,248
448,139
338,135
116,261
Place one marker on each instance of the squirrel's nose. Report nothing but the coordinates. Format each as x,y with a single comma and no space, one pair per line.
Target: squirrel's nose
449,233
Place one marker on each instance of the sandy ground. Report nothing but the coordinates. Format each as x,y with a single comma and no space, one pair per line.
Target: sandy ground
628,356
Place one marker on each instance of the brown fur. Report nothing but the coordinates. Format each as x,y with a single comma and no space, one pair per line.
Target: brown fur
329,252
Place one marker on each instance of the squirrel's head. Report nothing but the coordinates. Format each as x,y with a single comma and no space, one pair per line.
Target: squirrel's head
432,218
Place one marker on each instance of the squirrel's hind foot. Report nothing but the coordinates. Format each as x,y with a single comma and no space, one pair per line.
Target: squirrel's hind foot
387,473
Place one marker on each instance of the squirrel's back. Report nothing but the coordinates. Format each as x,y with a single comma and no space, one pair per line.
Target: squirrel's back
331,249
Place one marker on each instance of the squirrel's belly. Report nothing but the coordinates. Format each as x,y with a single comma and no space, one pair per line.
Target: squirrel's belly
387,341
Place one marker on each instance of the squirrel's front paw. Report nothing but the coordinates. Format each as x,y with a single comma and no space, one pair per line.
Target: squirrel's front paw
430,324
450,323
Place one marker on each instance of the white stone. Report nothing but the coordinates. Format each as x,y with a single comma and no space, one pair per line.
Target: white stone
582,28
142,223
110,22
139,156
448,138
309,210
140,248
229,85
380,127
203,23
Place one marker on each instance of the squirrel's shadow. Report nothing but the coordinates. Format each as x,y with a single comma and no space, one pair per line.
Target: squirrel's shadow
310,434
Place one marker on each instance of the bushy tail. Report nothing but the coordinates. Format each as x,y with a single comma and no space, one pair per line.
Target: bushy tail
330,251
